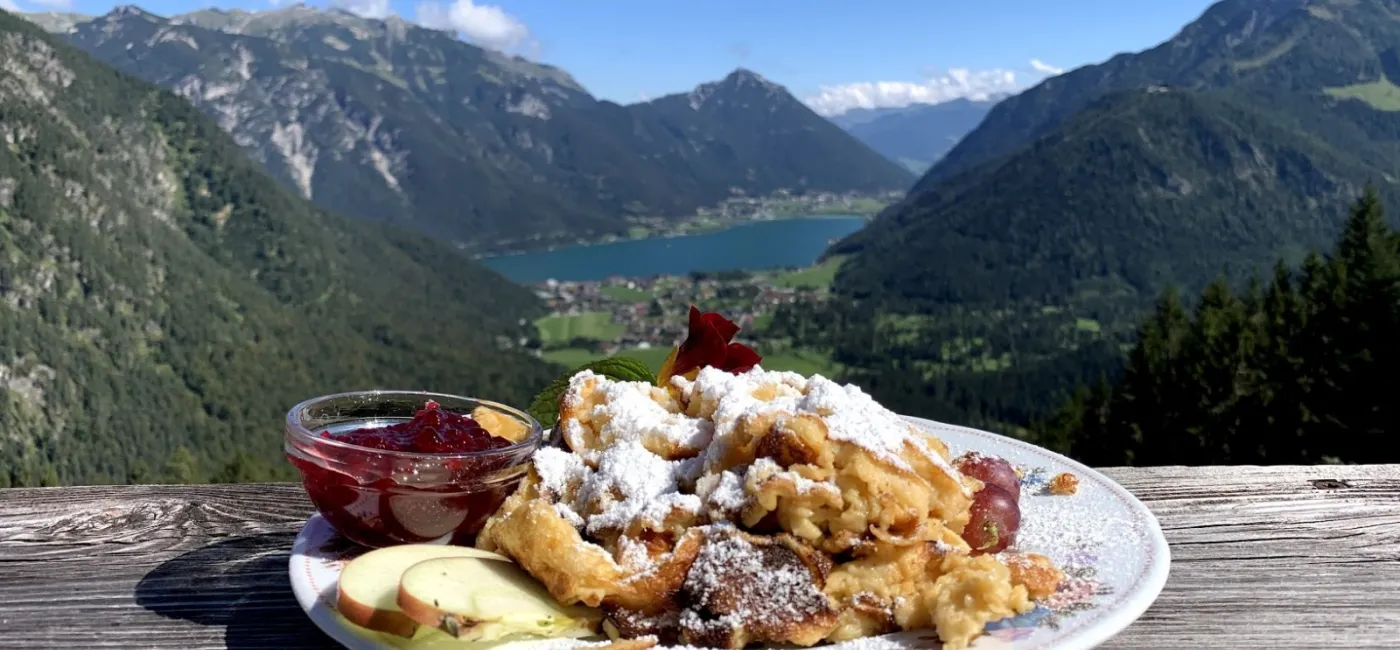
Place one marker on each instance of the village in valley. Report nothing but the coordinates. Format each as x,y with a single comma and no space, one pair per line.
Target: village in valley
645,317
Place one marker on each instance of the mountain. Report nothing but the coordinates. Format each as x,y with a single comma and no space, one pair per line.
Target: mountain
58,22
737,125
917,135
1139,189
386,120
1345,48
1021,262
1170,181
163,299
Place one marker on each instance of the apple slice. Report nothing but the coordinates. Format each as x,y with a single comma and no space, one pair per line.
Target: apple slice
475,599
369,585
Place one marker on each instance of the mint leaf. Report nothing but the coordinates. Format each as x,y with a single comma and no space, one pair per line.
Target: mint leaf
545,407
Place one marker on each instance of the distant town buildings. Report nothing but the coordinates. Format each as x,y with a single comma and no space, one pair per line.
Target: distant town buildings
648,309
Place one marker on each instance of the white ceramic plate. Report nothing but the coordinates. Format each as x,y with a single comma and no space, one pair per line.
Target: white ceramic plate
1108,543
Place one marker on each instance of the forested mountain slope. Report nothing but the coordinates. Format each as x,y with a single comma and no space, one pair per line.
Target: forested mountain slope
1024,259
161,297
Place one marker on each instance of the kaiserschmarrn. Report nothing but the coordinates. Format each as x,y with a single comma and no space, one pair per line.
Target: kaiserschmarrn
764,507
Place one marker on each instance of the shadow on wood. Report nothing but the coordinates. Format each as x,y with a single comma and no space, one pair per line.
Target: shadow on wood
239,583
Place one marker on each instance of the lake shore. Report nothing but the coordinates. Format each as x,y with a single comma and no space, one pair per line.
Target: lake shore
747,245
729,215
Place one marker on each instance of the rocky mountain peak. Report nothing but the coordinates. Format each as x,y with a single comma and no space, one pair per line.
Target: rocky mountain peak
57,22
741,81
131,10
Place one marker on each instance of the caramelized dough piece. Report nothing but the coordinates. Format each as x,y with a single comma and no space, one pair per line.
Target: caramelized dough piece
654,591
622,623
1035,572
745,589
530,531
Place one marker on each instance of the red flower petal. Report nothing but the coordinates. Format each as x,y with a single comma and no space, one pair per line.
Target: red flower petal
703,345
739,358
707,343
726,328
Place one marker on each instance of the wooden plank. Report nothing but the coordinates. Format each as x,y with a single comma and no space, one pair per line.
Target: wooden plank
1279,557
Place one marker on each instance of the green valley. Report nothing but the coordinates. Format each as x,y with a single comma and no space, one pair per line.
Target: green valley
637,318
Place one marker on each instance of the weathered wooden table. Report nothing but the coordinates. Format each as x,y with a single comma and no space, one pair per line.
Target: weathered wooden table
1277,558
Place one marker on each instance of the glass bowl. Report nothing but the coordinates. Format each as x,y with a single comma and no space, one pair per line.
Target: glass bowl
378,497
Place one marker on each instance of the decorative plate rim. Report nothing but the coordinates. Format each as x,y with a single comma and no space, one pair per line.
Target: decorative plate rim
1100,625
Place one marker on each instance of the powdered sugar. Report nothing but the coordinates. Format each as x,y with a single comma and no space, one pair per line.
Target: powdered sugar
617,478
630,411
850,415
853,416
629,485
721,585
560,472
567,512
1057,527
723,494
764,469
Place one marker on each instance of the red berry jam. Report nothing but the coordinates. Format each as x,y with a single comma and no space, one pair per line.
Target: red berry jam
378,499
431,431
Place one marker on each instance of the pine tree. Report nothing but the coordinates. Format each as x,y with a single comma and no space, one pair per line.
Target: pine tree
1300,371
1276,416
1144,413
1368,285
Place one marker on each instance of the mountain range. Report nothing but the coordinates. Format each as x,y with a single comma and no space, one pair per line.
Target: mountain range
163,300
174,250
918,135
1243,136
1025,255
386,120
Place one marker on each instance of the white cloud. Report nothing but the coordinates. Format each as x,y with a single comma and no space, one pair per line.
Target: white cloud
486,25
8,5
51,4
953,84
1046,68
366,8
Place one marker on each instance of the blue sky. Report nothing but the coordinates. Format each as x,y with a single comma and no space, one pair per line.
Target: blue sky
834,55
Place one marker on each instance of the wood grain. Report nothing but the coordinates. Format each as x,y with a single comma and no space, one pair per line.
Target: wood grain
1277,557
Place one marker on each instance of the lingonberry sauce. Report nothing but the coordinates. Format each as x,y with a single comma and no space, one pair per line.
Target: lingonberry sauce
431,431
378,499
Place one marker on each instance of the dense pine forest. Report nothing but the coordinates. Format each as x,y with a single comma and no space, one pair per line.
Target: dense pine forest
1296,370
1293,370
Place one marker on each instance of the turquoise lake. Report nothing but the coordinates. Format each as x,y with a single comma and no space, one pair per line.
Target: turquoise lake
752,246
